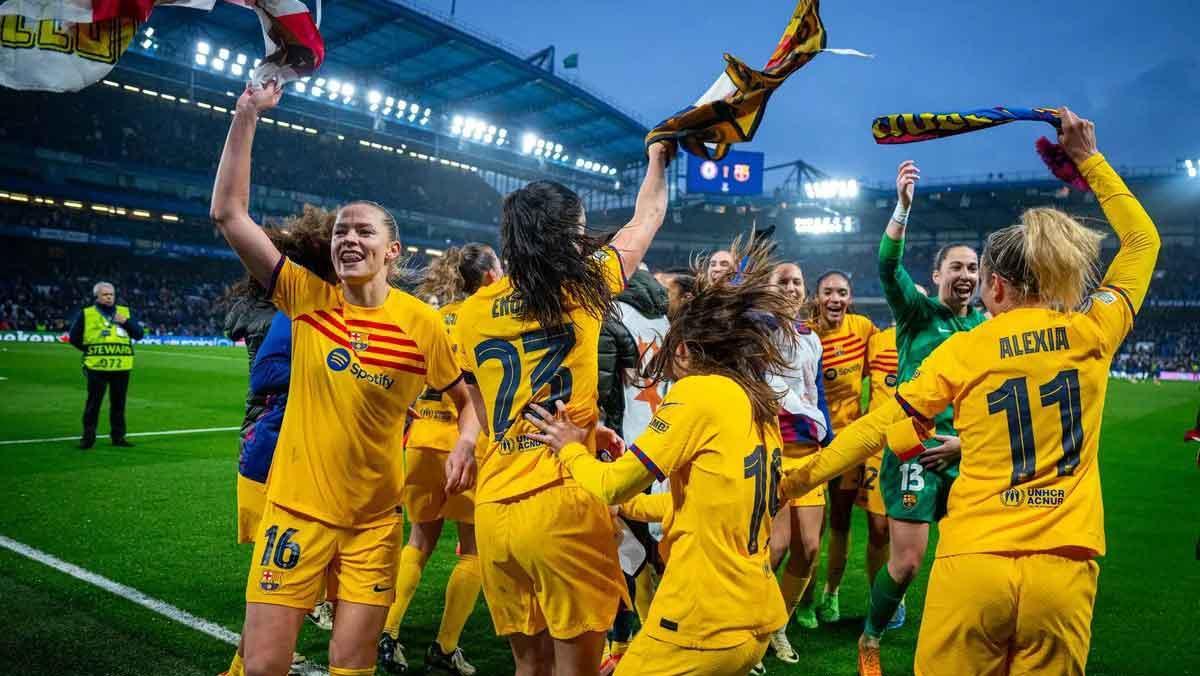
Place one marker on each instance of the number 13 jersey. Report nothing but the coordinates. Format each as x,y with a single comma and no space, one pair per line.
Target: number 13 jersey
517,362
1028,390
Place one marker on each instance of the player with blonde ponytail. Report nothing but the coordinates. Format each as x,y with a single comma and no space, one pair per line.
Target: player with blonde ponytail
1014,580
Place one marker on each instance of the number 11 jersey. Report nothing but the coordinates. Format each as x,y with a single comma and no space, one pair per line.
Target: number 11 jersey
516,363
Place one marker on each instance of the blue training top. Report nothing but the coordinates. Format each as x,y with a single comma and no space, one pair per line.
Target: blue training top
269,378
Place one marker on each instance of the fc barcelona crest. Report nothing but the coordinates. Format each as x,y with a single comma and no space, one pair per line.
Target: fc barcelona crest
908,500
271,580
358,341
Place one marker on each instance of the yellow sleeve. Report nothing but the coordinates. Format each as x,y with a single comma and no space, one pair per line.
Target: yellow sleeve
647,508
612,482
441,363
935,383
853,445
465,353
1128,277
295,289
614,272
682,426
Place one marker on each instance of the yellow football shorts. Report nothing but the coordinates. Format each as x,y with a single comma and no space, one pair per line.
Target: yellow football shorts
424,493
648,655
870,495
1000,614
294,555
796,456
549,562
251,500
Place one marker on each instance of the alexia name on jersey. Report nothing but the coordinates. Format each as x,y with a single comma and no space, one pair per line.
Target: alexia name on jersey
1049,339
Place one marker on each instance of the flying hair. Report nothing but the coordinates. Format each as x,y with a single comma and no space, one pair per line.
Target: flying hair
1048,257
304,239
549,257
741,330
458,273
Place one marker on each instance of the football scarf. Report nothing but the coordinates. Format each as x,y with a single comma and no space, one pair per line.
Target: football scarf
914,127
732,108
66,45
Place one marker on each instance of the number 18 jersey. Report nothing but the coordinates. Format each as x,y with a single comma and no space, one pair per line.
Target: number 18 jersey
517,362
1028,391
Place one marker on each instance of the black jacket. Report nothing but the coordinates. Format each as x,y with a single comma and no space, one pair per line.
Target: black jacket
75,333
618,348
249,319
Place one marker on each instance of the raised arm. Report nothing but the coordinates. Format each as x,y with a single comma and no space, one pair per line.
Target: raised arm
230,209
1133,266
862,439
632,241
898,287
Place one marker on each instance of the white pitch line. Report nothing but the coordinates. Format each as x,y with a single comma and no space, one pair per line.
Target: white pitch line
199,430
129,593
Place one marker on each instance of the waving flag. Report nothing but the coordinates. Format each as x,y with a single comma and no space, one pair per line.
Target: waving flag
915,127
732,108
66,45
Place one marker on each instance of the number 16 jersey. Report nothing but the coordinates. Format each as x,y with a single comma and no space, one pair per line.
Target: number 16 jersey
517,362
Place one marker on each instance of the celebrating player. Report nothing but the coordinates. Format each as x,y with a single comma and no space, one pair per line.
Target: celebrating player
546,548
450,279
915,492
716,437
804,423
844,337
361,353
1014,580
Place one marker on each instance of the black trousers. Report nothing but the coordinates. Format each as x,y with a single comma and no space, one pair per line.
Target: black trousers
117,383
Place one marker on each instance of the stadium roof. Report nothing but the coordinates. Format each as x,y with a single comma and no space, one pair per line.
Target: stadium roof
410,52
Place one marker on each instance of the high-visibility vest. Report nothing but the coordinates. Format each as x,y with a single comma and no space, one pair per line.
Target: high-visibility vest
106,344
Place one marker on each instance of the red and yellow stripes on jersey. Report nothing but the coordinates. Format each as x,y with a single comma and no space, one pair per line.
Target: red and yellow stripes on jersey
375,343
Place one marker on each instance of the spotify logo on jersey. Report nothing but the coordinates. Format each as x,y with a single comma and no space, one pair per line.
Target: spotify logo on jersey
338,359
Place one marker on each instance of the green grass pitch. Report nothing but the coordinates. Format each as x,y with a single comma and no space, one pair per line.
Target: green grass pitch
160,518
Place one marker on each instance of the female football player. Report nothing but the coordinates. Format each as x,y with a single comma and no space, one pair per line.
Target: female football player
1014,579
547,553
716,436
361,353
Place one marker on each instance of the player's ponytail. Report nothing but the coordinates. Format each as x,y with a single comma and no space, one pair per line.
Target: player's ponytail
549,256
474,263
1049,257
739,327
441,279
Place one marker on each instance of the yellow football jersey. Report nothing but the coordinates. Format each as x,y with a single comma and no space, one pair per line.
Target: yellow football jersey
516,362
355,370
844,360
882,361
1028,391
437,424
719,590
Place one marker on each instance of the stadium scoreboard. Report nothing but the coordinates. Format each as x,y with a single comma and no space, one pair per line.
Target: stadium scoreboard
739,173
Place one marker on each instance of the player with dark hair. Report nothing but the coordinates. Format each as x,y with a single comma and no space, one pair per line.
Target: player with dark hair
546,548
915,492
716,437
361,353
844,337
1014,580
459,273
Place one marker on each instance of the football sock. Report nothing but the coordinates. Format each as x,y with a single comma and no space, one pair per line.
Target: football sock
877,558
235,667
839,546
886,595
408,576
346,671
795,581
462,591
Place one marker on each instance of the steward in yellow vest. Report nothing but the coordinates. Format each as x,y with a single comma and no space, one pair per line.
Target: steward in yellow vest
105,332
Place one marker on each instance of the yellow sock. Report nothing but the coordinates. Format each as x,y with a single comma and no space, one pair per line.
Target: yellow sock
346,671
408,576
462,592
644,592
839,546
235,667
877,557
793,583
618,647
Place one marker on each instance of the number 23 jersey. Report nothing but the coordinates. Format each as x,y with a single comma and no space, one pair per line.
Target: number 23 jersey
516,362
1028,389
